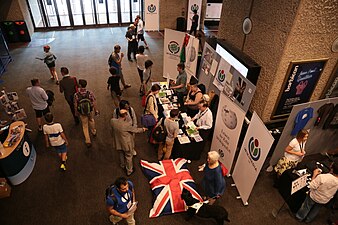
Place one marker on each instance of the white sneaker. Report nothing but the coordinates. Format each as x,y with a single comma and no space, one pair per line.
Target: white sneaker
134,153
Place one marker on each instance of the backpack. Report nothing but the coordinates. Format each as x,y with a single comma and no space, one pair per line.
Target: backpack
51,98
109,194
159,133
84,106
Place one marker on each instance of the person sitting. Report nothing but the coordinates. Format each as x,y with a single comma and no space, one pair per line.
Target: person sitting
194,97
293,154
213,181
203,120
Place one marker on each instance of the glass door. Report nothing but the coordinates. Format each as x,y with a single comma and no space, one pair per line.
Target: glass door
65,13
112,11
76,11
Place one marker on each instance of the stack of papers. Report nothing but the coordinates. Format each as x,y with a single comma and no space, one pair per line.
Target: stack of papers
198,138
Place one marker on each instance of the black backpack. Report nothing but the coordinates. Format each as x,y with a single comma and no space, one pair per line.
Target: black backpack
51,98
160,133
84,106
109,194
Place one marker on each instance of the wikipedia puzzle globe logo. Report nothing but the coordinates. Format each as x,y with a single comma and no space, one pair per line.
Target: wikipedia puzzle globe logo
151,8
254,149
173,47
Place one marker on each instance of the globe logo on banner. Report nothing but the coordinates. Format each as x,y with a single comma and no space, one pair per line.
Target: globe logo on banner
221,153
254,150
194,7
151,8
173,47
221,75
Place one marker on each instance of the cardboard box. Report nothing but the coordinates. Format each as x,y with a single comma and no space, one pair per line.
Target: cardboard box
5,189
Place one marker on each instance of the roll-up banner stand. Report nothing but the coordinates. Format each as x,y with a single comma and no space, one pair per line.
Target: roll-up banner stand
151,17
255,148
228,127
179,46
194,5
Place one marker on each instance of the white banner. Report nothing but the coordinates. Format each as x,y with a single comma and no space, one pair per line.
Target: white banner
228,127
194,4
173,42
255,148
151,15
191,52
173,47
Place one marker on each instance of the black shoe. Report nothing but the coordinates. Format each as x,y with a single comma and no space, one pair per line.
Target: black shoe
89,145
130,60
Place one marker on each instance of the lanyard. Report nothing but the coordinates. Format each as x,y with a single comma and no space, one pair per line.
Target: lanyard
202,114
301,146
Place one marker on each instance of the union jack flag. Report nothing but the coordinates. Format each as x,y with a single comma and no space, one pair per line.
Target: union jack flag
167,179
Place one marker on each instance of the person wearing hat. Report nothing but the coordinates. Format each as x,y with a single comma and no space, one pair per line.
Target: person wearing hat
123,140
131,37
194,97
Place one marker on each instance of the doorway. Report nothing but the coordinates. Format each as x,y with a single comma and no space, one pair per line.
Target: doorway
72,13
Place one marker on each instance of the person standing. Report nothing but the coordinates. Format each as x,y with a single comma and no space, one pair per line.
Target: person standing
170,124
115,60
132,41
141,58
123,140
323,187
49,59
69,86
55,137
114,85
194,23
180,86
147,76
140,30
131,118
194,97
213,181
38,99
85,105
119,198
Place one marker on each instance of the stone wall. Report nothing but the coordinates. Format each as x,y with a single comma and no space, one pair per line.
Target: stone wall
282,31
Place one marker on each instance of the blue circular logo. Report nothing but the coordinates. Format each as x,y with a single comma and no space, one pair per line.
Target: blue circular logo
254,149
151,8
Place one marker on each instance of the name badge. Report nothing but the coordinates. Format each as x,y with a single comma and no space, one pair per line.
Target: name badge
129,205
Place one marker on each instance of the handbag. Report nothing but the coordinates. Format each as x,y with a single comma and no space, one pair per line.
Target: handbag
148,120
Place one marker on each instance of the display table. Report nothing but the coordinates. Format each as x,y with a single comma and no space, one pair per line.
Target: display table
17,158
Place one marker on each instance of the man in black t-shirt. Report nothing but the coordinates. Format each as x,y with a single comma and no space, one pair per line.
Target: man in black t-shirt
194,23
131,36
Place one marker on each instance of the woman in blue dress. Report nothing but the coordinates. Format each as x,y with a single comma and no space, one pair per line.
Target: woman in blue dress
213,181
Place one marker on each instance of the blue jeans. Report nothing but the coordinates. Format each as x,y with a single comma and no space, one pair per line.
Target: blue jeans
308,210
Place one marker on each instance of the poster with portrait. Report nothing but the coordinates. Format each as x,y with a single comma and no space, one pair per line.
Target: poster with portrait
331,89
298,86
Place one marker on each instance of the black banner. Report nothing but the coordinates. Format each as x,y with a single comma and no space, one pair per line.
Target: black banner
298,86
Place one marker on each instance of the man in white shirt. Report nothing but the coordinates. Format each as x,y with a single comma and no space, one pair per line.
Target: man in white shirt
140,30
203,119
38,99
323,187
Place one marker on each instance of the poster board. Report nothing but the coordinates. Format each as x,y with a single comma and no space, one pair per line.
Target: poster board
151,15
331,89
194,5
227,130
255,148
299,84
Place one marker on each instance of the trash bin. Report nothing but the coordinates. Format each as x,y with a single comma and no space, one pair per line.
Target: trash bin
180,24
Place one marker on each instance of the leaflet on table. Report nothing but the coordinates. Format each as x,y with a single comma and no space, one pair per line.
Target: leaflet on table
183,139
132,208
198,138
